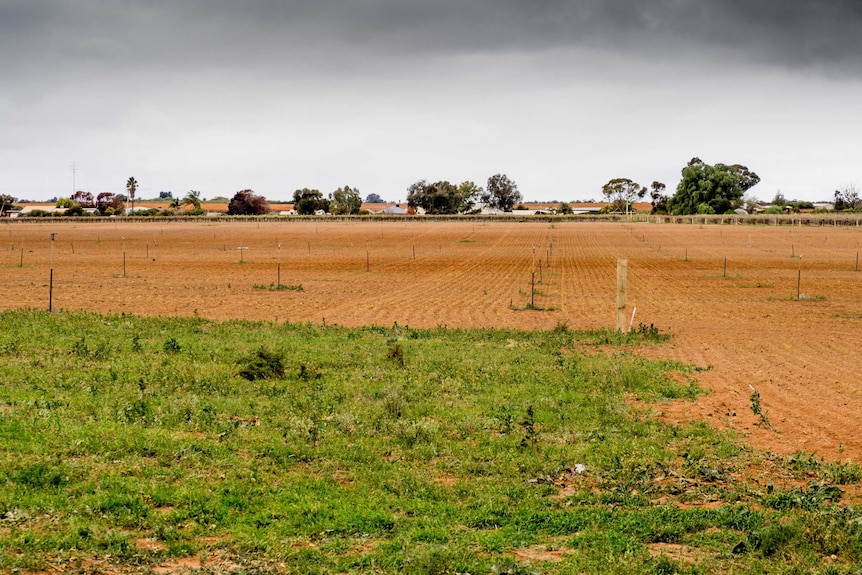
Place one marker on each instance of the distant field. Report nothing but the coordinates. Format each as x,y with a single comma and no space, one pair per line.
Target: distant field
743,321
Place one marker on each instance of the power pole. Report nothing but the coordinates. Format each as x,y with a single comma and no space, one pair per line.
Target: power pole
74,185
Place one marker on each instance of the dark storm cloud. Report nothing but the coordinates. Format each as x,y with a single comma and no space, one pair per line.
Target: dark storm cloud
805,34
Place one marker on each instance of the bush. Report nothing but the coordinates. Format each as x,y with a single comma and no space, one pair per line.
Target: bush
261,365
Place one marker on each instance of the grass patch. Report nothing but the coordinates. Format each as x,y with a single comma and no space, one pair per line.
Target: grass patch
279,287
382,450
802,297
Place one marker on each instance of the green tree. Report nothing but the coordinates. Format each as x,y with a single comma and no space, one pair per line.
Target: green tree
659,198
441,197
468,193
345,200
193,198
565,208
374,199
132,187
247,203
621,192
847,198
779,200
720,187
307,201
501,193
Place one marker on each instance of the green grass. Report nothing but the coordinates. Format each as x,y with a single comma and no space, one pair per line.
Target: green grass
322,449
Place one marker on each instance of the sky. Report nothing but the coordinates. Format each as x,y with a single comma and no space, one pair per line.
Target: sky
561,96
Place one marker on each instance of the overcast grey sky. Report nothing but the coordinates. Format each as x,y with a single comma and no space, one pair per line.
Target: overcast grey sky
562,96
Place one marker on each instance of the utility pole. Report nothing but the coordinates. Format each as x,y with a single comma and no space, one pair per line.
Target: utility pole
74,185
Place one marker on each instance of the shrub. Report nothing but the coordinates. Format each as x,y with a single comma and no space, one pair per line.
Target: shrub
261,364
172,345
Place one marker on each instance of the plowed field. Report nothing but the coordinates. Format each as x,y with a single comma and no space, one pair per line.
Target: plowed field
744,321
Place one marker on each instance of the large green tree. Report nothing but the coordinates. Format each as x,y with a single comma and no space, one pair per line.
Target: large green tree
659,198
307,201
501,193
715,189
620,192
345,200
847,198
441,197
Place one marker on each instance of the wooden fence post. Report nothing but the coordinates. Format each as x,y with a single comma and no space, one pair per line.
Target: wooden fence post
622,266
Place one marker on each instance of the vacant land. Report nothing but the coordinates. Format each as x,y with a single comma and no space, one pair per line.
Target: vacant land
743,321
178,445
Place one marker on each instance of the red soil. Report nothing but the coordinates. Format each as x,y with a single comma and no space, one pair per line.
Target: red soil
748,327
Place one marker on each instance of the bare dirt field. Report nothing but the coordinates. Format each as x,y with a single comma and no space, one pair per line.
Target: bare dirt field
743,322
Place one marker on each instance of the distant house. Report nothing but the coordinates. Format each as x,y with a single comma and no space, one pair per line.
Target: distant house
380,208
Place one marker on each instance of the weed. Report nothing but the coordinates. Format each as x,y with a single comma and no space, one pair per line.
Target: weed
757,409
647,332
393,403
509,567
811,499
528,424
505,419
279,287
262,364
396,354
136,343
843,473
172,346
40,475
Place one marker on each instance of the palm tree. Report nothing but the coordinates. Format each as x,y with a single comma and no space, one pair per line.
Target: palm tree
132,186
193,198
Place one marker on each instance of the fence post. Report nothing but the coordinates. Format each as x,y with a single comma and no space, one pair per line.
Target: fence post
622,266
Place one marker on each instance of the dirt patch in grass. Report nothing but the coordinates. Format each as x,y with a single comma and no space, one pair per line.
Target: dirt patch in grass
550,552
181,565
146,544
